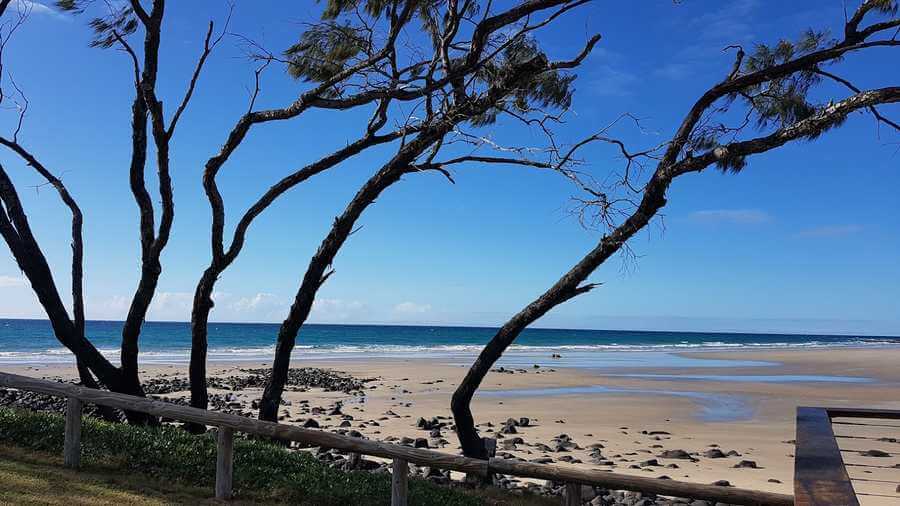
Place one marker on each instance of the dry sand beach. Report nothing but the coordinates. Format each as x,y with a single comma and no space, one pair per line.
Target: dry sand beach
731,420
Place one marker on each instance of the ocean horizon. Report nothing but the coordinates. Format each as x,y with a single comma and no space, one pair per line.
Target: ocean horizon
25,341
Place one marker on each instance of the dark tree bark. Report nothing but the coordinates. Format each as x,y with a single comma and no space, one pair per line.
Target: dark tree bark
152,243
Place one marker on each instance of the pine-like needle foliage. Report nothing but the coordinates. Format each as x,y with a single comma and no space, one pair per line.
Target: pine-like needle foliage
777,103
324,50
119,23
551,89
784,101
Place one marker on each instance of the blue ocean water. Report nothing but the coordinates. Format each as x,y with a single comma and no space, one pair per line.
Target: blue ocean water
32,341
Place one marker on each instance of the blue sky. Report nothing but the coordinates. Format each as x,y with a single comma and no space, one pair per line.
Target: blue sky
806,239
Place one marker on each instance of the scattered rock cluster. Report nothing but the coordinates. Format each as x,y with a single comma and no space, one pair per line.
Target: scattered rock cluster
299,378
32,401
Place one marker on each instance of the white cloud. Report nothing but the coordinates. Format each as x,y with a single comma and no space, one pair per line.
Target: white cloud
733,216
114,307
412,308
731,23
31,7
257,302
12,282
675,71
606,80
170,306
830,231
339,310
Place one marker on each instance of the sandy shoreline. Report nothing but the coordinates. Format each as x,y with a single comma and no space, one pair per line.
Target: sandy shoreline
755,418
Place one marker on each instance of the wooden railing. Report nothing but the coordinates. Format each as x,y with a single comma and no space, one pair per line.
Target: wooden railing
820,475
401,455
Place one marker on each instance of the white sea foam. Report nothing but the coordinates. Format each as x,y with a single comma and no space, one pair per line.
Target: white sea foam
584,351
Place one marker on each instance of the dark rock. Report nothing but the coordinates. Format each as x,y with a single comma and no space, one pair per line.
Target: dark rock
875,453
508,444
509,429
675,454
750,464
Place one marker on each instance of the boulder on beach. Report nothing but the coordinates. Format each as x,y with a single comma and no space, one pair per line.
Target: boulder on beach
675,454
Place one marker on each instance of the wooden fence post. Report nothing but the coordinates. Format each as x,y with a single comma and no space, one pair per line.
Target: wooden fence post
573,494
399,482
72,444
353,461
224,463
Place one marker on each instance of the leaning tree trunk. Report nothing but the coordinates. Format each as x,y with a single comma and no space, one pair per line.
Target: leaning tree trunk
565,288
316,271
652,201
16,231
316,275
389,174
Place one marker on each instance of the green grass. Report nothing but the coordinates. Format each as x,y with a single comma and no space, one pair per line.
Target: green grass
29,477
263,472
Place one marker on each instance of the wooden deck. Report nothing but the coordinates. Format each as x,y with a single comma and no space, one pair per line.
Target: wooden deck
821,474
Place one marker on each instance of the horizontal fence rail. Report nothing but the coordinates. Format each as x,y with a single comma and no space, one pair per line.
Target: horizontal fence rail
401,455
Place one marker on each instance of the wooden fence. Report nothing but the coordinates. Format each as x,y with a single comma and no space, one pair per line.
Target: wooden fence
820,475
401,456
